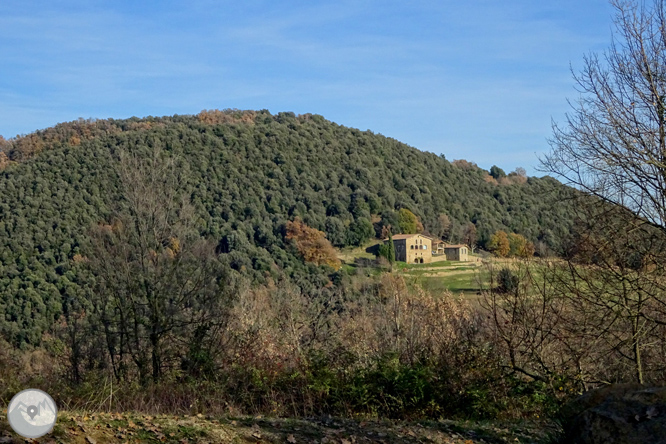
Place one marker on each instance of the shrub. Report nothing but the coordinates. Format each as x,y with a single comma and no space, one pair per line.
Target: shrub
507,281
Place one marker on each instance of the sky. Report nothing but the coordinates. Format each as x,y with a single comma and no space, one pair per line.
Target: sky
479,80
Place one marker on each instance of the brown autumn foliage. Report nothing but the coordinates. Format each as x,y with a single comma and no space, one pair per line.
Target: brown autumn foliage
79,258
75,140
312,244
576,327
464,164
511,179
284,353
499,244
4,160
412,324
276,329
469,235
216,116
490,179
27,146
144,125
24,147
519,246
517,178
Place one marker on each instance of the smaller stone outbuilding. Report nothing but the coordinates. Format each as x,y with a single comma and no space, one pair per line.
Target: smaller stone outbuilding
457,252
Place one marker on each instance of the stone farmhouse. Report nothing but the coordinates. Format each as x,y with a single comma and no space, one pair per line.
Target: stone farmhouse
420,249
412,248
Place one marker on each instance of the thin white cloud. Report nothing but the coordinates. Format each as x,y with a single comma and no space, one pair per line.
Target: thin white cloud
481,75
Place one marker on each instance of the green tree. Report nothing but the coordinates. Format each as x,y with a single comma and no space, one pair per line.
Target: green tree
519,246
383,251
407,221
497,172
249,172
507,281
336,232
391,252
360,231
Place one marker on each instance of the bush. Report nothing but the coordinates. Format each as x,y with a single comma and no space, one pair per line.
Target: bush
378,349
507,281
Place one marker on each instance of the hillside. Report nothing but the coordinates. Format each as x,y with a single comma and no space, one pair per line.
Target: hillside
246,173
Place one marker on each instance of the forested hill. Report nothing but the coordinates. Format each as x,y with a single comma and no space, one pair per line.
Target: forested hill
246,173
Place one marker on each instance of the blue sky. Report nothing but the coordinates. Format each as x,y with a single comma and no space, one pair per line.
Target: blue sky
477,80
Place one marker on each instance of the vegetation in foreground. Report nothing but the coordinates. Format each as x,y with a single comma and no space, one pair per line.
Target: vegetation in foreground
378,350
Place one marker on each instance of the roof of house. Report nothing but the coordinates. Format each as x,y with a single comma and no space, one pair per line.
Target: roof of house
407,236
456,246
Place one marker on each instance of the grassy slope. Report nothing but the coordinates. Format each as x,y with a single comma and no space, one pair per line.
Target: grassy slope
82,428
466,278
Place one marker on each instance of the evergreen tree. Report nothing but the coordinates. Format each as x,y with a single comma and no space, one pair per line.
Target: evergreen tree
407,221
391,249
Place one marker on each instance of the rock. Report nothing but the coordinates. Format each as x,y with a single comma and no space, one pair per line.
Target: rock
623,413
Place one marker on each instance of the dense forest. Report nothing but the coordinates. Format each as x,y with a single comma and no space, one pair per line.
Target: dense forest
246,174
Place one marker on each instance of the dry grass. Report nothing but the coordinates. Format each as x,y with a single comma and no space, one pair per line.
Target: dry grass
85,428
350,254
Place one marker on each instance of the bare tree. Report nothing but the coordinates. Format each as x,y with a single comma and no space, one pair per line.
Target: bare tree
612,147
613,144
159,287
588,320
469,235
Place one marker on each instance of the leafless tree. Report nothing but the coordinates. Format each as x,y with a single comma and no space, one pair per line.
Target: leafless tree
159,287
612,148
613,144
588,320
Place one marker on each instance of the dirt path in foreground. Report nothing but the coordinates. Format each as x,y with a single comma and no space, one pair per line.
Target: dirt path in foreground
81,428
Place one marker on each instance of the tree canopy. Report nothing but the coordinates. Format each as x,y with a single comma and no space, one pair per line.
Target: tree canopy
245,174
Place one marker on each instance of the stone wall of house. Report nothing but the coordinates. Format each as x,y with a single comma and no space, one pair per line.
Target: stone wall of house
415,249
457,253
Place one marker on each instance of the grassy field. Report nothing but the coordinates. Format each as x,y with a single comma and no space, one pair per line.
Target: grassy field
469,284
405,266
349,255
89,428
466,278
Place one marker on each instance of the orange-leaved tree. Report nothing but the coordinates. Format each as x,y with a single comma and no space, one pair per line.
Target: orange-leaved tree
312,244
499,243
